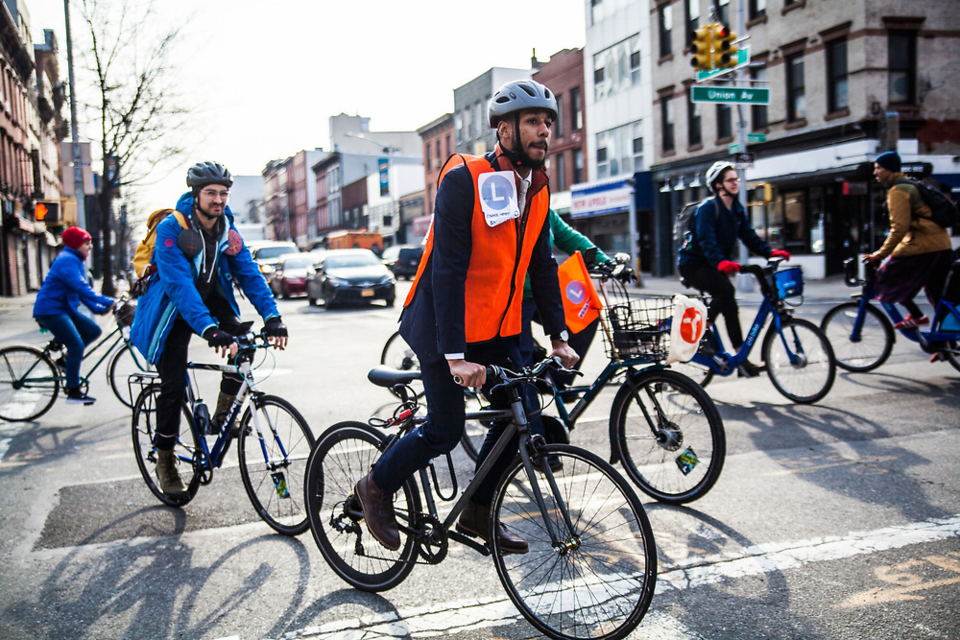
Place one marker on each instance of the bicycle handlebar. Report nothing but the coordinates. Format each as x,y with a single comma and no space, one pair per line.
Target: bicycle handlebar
527,374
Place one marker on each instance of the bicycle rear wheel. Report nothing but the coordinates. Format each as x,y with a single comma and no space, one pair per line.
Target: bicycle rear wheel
144,432
343,455
123,364
275,442
597,581
866,351
29,383
799,361
669,435
398,354
474,431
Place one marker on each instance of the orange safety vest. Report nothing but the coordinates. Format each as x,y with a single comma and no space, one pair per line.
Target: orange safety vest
493,292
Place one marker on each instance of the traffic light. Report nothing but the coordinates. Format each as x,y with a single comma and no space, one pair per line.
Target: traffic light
48,212
724,50
701,48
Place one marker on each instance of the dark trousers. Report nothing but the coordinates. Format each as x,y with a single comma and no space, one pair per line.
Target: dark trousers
74,331
445,419
723,297
172,368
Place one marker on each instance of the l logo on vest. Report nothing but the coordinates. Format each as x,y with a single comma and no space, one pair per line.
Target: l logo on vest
498,197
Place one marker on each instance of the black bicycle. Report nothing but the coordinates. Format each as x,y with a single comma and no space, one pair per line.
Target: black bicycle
591,568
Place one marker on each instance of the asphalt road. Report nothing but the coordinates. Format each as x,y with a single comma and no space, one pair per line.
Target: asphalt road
838,520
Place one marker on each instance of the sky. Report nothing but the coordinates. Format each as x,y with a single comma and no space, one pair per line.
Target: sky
263,77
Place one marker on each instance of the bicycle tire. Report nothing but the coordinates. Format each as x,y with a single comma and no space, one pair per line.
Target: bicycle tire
700,374
474,431
952,356
343,455
21,401
669,436
144,426
273,462
870,349
811,379
599,581
124,363
398,354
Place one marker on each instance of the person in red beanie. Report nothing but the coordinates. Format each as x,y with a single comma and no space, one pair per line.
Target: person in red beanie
58,303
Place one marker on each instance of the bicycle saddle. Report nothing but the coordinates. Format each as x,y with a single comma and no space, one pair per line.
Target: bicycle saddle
384,376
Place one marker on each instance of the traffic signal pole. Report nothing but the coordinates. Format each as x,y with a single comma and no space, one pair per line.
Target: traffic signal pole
744,282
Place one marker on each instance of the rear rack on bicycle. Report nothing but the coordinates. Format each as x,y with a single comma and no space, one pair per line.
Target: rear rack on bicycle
638,327
139,381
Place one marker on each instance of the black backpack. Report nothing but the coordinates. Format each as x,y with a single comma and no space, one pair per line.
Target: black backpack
943,210
683,225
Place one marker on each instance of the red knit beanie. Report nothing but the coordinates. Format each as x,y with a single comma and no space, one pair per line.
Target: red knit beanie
74,237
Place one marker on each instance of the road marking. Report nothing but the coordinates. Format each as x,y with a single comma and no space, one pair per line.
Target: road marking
464,615
907,583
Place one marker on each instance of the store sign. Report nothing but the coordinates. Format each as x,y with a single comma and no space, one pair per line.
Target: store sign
600,200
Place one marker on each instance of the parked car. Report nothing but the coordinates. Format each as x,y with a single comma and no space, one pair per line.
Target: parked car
290,274
403,259
350,275
266,253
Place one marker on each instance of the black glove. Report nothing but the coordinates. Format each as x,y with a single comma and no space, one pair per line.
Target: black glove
217,338
274,328
626,275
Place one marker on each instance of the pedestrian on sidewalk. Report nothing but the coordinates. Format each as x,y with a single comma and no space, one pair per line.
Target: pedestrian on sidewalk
57,307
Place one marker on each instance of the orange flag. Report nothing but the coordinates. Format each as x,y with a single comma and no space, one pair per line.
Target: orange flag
581,304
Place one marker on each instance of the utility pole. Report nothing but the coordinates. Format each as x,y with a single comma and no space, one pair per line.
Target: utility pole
74,134
744,282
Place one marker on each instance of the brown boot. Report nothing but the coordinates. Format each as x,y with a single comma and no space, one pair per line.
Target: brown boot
378,512
475,521
219,417
170,482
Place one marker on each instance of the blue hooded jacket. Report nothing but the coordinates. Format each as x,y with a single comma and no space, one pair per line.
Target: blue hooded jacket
65,287
171,291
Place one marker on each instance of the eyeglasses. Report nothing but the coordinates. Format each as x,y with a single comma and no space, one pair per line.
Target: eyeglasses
732,180
211,193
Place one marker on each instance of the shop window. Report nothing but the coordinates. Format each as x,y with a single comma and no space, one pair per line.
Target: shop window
756,9
577,166
576,109
666,26
692,12
724,122
666,116
758,112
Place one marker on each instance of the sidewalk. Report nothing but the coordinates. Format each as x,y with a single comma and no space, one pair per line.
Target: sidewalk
831,289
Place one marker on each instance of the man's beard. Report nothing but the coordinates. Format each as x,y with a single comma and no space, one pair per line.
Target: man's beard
536,165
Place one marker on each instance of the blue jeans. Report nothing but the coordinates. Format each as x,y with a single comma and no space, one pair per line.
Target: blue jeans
74,331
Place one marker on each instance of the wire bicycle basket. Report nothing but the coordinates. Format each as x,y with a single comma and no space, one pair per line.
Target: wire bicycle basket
635,328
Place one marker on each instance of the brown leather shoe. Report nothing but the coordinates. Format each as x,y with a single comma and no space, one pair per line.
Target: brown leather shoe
475,521
378,512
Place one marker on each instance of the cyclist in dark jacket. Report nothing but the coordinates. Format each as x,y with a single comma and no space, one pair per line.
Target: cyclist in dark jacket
58,302
706,259
192,292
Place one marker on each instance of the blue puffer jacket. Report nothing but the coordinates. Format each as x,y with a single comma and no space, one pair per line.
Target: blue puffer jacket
65,287
171,290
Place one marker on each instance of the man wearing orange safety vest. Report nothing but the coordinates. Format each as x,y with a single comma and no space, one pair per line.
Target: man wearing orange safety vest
464,309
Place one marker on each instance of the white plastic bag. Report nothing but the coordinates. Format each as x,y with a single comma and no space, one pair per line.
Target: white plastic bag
689,324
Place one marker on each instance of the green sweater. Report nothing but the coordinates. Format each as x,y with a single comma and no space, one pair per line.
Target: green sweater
569,240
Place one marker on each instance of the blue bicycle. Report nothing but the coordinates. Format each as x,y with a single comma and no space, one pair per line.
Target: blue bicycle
863,336
797,355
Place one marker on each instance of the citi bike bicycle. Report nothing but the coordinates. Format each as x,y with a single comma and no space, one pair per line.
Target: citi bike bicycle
31,378
590,571
797,355
273,441
863,336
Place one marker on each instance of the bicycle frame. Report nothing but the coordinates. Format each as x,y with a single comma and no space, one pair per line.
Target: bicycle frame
944,310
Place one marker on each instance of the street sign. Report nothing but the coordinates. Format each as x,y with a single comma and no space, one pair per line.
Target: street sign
735,95
743,59
756,137
744,160
734,148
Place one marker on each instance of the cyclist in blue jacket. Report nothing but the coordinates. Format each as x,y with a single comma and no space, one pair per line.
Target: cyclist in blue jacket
192,292
58,302
706,261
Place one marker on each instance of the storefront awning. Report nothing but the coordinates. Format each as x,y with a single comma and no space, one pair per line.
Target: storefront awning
611,196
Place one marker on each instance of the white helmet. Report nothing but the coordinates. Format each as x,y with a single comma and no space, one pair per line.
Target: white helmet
715,170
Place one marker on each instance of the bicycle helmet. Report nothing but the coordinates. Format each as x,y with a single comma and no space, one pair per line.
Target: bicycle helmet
204,173
518,95
716,170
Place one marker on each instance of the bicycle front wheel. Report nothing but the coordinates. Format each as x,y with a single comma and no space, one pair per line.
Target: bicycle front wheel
343,455
799,360
274,445
865,351
124,364
596,578
474,431
29,383
669,435
186,449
